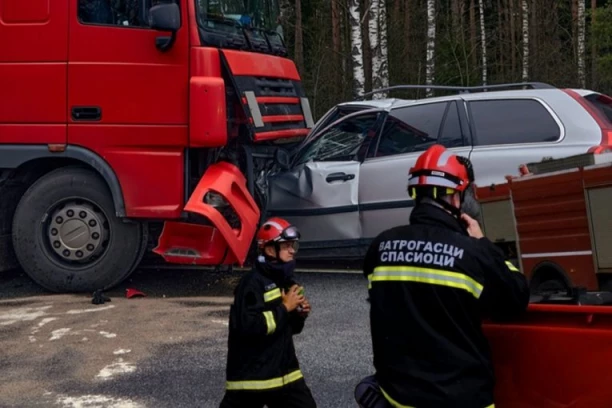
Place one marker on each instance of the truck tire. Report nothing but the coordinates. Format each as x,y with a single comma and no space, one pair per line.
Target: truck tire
549,279
66,235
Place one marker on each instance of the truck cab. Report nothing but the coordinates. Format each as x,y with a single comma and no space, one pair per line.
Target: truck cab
120,114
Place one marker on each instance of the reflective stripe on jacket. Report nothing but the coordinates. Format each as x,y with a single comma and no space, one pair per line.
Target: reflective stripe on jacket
261,353
429,285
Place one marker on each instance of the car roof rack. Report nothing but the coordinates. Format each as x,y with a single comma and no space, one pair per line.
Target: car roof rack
463,89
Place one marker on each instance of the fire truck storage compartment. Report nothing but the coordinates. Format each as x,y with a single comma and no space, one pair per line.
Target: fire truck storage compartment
598,204
498,220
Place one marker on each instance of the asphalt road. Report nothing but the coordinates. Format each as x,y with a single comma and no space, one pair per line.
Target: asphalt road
167,349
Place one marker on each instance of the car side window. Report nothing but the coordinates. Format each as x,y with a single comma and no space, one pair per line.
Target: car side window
125,13
346,140
512,121
415,128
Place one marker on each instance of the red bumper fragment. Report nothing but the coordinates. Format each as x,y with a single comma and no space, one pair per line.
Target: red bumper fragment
185,243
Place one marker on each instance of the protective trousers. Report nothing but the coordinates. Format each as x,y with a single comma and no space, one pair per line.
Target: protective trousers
293,395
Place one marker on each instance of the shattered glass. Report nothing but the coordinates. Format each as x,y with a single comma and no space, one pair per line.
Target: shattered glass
341,141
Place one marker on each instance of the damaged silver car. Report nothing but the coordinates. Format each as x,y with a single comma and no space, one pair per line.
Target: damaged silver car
346,182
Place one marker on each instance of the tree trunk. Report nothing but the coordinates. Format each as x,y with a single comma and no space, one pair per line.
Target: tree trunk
373,35
525,40
299,43
407,28
593,48
286,13
512,17
534,42
337,67
456,18
383,49
357,48
473,50
581,45
431,45
483,40
500,40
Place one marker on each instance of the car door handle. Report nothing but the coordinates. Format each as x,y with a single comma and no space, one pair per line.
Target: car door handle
339,177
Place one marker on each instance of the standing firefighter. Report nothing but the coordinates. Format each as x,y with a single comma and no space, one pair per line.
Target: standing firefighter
430,283
269,308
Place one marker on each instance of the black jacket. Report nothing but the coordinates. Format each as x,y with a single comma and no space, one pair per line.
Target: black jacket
260,343
429,286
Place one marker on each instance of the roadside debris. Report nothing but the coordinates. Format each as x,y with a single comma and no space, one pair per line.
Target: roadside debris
130,293
99,298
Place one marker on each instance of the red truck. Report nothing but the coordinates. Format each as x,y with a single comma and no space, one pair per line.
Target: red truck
119,114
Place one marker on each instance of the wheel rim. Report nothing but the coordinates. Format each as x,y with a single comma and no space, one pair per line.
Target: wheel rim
77,232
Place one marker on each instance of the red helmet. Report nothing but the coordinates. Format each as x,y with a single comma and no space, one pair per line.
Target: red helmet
438,167
276,230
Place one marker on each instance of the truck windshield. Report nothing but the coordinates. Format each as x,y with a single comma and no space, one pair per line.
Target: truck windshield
241,24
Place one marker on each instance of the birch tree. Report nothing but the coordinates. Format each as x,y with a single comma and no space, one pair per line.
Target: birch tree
299,42
483,40
525,40
431,45
581,43
356,48
377,29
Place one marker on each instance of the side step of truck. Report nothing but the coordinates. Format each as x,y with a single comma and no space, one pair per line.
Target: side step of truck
220,244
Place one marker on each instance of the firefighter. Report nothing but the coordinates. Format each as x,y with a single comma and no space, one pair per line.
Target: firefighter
429,285
269,308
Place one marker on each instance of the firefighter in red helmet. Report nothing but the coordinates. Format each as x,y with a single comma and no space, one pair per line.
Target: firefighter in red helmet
430,283
269,308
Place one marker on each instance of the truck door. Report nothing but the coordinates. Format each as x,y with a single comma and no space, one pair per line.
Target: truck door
127,100
33,55
319,194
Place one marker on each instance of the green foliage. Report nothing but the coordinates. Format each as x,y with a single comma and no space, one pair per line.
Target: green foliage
552,47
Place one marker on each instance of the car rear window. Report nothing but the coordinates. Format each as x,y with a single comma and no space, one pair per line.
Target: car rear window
602,104
511,121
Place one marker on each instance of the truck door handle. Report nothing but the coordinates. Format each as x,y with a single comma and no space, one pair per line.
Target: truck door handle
339,177
86,113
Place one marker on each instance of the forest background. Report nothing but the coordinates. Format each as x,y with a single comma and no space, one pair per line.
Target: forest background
345,48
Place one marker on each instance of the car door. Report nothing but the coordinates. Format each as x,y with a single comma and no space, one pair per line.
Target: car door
319,194
509,132
406,133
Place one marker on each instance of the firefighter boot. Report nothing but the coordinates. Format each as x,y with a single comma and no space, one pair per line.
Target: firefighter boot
368,395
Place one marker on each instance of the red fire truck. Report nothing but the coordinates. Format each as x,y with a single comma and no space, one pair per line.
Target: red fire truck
554,222
115,114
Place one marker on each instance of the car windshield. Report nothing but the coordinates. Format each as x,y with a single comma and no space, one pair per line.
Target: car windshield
239,23
341,141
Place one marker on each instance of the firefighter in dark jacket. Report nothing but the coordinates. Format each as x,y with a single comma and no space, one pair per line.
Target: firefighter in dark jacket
430,283
269,308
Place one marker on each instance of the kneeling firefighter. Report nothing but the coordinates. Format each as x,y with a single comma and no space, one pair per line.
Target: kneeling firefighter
430,283
269,308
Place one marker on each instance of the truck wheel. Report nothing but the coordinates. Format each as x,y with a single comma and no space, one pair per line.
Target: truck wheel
549,279
66,235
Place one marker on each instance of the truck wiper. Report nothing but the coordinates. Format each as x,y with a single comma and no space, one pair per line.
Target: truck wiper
258,42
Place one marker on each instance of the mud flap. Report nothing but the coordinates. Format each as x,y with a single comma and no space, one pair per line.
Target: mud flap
184,243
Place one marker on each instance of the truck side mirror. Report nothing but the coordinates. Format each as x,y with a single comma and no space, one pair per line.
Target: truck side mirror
165,17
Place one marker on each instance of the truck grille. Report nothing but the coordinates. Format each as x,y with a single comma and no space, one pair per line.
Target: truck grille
279,103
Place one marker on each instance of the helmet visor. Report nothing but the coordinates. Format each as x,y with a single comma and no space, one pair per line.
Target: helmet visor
290,233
